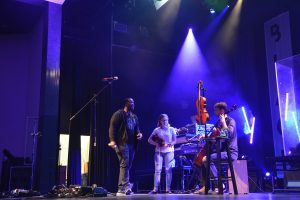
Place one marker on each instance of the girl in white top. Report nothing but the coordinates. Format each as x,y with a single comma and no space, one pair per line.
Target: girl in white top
164,138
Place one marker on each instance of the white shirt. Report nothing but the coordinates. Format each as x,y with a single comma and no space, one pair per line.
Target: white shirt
168,135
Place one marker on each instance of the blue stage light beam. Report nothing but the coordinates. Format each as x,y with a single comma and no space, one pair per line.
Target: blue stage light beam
252,130
212,27
286,107
248,130
296,124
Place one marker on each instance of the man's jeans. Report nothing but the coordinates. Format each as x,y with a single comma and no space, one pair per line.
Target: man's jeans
125,155
169,162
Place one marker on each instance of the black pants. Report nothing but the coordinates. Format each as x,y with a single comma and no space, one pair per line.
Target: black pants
213,170
125,156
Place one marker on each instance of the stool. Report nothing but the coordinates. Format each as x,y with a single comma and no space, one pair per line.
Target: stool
217,141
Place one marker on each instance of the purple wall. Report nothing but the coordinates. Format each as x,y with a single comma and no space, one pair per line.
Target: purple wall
20,74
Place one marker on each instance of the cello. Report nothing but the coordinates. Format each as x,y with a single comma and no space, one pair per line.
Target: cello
215,132
202,115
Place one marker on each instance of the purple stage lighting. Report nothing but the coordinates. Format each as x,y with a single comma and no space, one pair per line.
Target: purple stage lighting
212,27
212,11
268,174
189,67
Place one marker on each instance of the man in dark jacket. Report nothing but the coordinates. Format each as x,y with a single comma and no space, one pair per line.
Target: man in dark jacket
124,134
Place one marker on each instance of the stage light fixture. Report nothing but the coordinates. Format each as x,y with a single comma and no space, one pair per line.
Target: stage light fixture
212,11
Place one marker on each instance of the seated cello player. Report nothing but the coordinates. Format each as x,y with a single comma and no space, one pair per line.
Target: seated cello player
226,126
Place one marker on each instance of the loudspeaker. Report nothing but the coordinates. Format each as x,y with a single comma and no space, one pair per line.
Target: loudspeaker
241,177
292,179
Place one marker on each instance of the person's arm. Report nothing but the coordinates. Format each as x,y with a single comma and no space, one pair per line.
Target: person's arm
173,131
137,125
138,133
150,140
113,127
231,128
228,129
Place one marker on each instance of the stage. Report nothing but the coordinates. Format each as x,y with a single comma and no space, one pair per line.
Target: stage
157,93
252,196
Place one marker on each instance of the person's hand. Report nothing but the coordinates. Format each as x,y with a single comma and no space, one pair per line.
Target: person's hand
166,145
200,138
222,119
139,136
112,144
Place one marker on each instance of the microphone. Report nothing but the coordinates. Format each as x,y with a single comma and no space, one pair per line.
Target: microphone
112,78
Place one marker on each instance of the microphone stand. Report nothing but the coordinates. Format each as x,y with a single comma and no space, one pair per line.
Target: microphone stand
93,142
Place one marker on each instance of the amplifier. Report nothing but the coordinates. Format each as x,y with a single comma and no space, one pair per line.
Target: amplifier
292,179
241,177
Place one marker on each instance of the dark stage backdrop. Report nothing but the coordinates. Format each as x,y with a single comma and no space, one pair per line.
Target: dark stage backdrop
144,70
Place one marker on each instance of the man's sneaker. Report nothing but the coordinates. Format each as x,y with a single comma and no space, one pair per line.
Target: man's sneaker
153,192
120,193
200,191
217,189
129,192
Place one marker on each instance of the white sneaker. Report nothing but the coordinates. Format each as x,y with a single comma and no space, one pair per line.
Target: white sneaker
120,193
217,189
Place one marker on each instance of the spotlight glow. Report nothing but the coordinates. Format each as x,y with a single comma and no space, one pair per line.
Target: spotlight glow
212,27
268,174
190,65
252,130
227,33
190,30
286,106
246,120
61,2
212,11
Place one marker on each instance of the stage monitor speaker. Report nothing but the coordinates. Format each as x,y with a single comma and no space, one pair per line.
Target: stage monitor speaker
292,179
241,177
